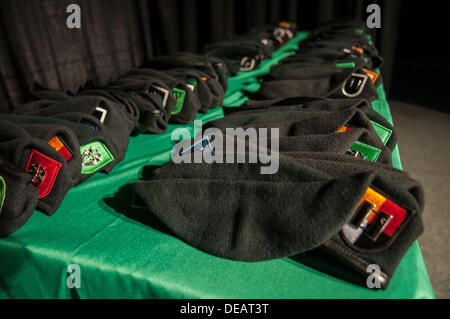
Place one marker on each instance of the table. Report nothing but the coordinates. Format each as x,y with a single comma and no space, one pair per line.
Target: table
124,252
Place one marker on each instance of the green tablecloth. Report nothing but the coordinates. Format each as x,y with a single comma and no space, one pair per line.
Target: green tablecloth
124,252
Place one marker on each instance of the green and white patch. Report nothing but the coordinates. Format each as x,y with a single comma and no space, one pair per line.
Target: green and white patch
180,96
94,156
365,151
383,132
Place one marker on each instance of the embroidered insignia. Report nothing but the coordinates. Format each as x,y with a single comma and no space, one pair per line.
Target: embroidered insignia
91,157
354,85
2,192
364,151
247,64
356,154
375,216
157,90
100,113
372,75
38,174
381,221
62,149
180,95
279,34
43,171
94,156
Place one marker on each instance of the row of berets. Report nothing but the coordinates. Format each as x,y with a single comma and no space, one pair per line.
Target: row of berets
58,140
335,189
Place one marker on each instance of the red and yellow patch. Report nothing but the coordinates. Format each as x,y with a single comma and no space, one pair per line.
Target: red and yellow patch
372,75
344,129
58,145
382,204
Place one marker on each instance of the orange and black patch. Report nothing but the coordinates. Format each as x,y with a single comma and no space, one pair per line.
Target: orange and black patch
372,75
360,50
58,145
344,129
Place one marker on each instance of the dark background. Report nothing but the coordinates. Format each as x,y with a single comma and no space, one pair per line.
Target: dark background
36,47
421,72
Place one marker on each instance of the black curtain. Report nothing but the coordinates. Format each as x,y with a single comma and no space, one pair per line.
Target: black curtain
37,48
421,73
